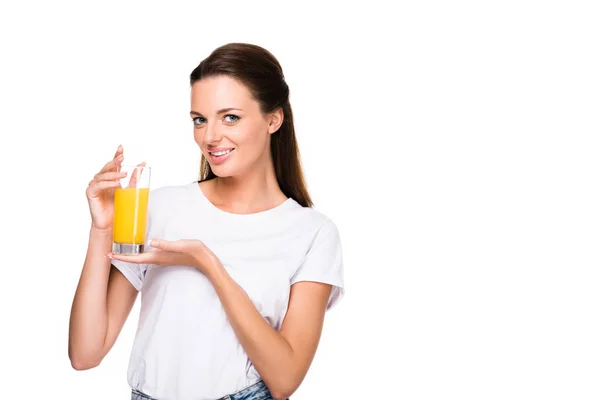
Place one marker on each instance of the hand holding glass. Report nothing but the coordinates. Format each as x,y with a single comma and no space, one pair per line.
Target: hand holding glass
131,210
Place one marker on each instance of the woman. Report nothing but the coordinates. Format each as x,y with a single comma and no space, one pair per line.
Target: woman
240,268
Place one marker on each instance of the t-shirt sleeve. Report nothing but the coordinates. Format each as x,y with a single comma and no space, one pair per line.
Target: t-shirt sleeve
323,263
133,272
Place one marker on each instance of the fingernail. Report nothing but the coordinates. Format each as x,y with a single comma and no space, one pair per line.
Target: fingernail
120,148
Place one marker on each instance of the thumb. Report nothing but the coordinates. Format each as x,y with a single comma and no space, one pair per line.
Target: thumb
165,245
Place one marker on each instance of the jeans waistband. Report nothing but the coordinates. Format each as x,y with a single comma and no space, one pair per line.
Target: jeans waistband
257,391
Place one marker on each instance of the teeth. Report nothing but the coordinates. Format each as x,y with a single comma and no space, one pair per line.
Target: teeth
220,153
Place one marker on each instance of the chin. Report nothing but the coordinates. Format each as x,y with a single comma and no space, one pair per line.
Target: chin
222,171
231,168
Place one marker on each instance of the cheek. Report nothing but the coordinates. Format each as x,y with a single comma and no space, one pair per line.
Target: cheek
198,135
251,136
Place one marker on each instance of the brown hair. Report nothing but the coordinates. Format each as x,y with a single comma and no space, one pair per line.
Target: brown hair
262,74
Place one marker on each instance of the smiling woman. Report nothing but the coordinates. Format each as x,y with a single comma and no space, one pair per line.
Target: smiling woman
240,268
255,99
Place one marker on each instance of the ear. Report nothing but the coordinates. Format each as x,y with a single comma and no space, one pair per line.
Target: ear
275,120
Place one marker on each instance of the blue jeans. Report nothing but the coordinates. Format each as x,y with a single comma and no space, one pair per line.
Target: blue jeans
258,391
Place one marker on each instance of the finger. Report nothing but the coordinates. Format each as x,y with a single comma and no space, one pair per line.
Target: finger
115,161
160,244
144,258
166,245
113,165
110,176
135,177
95,188
118,152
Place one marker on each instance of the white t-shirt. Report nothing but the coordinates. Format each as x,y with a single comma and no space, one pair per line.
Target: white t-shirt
185,348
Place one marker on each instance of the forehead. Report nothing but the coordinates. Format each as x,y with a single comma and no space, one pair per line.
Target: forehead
220,92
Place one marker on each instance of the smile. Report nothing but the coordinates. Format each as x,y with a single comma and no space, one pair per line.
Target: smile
220,153
219,157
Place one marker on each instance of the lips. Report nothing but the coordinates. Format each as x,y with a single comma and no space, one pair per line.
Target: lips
219,155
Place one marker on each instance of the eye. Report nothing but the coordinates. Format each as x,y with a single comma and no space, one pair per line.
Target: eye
198,121
230,118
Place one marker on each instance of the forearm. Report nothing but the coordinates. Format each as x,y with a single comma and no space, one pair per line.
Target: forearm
89,317
269,351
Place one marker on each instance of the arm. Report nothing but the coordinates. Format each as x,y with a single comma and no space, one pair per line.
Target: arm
281,358
103,300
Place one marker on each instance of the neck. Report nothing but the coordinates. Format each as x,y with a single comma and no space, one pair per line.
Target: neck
255,191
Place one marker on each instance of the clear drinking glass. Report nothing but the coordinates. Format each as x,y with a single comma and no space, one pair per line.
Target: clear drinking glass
131,210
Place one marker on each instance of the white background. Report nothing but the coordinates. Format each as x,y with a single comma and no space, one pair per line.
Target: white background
455,144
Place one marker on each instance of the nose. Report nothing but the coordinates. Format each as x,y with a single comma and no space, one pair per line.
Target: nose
211,134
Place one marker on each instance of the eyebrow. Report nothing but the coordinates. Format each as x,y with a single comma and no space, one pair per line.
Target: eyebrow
224,110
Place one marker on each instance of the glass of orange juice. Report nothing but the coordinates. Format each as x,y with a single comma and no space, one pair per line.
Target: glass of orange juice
131,210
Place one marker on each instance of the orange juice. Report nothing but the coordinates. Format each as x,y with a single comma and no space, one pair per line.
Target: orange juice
131,211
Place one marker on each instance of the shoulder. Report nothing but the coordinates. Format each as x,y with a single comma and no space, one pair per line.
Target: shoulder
313,221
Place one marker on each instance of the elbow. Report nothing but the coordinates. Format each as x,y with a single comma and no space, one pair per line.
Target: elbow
284,385
80,365
282,392
281,395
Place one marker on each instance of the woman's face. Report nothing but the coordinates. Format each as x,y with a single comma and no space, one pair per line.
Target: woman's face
232,132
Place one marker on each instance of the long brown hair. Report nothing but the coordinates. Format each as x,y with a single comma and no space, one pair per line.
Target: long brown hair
262,74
